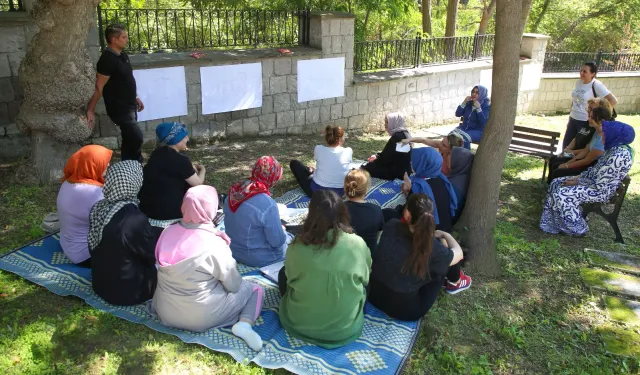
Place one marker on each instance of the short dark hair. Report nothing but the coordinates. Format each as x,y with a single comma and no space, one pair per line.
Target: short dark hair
113,31
601,114
327,211
592,67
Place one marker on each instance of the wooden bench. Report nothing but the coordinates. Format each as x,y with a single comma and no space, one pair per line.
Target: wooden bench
614,204
534,142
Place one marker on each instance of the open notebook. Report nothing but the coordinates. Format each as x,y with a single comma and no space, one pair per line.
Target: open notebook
271,271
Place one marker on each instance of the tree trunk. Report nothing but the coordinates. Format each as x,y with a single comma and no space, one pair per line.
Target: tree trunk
426,17
58,79
479,217
452,18
487,13
366,23
543,12
524,16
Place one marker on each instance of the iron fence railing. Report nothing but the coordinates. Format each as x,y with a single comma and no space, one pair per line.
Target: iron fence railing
11,6
412,53
187,29
558,62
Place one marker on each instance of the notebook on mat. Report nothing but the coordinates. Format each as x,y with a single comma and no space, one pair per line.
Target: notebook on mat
271,271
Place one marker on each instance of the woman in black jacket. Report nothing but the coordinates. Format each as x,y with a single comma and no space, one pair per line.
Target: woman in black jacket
121,240
390,163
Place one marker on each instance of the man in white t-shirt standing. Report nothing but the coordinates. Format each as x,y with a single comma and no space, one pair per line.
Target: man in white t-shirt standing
578,126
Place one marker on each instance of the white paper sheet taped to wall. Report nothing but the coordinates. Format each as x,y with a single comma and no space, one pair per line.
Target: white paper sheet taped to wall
163,92
229,88
320,79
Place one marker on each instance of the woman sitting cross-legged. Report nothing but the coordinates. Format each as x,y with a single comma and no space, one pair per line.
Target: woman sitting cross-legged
562,212
412,261
332,164
391,164
81,189
366,218
428,179
121,240
199,286
168,174
252,219
474,111
324,277
444,147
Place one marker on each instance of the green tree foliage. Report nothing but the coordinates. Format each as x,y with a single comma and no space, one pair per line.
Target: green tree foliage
587,25
574,25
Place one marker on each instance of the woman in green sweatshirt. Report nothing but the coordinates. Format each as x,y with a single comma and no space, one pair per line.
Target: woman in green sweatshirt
323,281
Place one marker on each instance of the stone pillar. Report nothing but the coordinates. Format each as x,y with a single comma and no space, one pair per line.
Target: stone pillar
534,47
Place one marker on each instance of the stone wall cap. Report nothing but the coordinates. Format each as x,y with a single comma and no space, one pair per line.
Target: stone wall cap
576,75
332,15
536,36
154,60
387,75
14,17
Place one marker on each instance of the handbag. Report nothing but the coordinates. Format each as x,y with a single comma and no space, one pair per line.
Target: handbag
614,114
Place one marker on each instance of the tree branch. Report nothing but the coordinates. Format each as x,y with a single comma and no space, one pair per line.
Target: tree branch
577,22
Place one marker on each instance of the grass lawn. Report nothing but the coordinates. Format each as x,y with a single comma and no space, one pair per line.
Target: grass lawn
536,318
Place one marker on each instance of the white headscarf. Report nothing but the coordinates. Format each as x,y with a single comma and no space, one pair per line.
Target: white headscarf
395,123
121,186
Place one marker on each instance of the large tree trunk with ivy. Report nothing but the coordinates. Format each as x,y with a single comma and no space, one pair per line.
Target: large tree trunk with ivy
426,17
57,75
479,217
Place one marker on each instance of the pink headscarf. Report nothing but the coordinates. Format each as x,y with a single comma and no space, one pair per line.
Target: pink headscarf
193,234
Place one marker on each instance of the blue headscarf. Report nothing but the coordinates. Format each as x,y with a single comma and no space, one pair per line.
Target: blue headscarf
483,95
171,133
616,134
427,163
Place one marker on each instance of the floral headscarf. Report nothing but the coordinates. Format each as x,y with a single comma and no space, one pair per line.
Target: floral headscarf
266,172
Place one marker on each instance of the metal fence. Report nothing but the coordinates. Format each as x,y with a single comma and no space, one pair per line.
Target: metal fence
557,62
11,6
412,53
187,29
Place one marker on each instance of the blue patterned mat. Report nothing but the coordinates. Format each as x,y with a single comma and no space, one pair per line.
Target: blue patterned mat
383,348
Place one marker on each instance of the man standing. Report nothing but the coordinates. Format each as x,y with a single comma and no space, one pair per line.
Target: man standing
115,81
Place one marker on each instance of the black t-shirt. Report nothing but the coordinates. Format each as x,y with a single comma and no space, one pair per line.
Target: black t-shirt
367,221
120,90
583,137
393,249
164,184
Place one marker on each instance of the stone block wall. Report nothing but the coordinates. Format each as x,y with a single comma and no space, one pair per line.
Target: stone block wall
555,92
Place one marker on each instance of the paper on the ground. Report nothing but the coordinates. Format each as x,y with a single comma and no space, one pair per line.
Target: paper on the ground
163,92
403,148
320,79
229,88
271,271
286,212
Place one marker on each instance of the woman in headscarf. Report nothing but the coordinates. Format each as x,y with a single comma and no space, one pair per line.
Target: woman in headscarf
562,212
390,163
81,189
474,111
429,179
121,240
169,174
252,220
199,286
461,162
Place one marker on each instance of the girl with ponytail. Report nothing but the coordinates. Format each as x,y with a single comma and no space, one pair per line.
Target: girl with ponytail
412,261
366,218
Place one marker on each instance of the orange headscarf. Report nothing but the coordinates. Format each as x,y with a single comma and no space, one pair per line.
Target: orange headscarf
87,165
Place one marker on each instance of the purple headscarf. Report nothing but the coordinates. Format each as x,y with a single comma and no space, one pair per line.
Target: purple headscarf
616,134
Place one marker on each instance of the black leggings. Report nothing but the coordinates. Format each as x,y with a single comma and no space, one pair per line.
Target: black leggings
302,173
555,171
